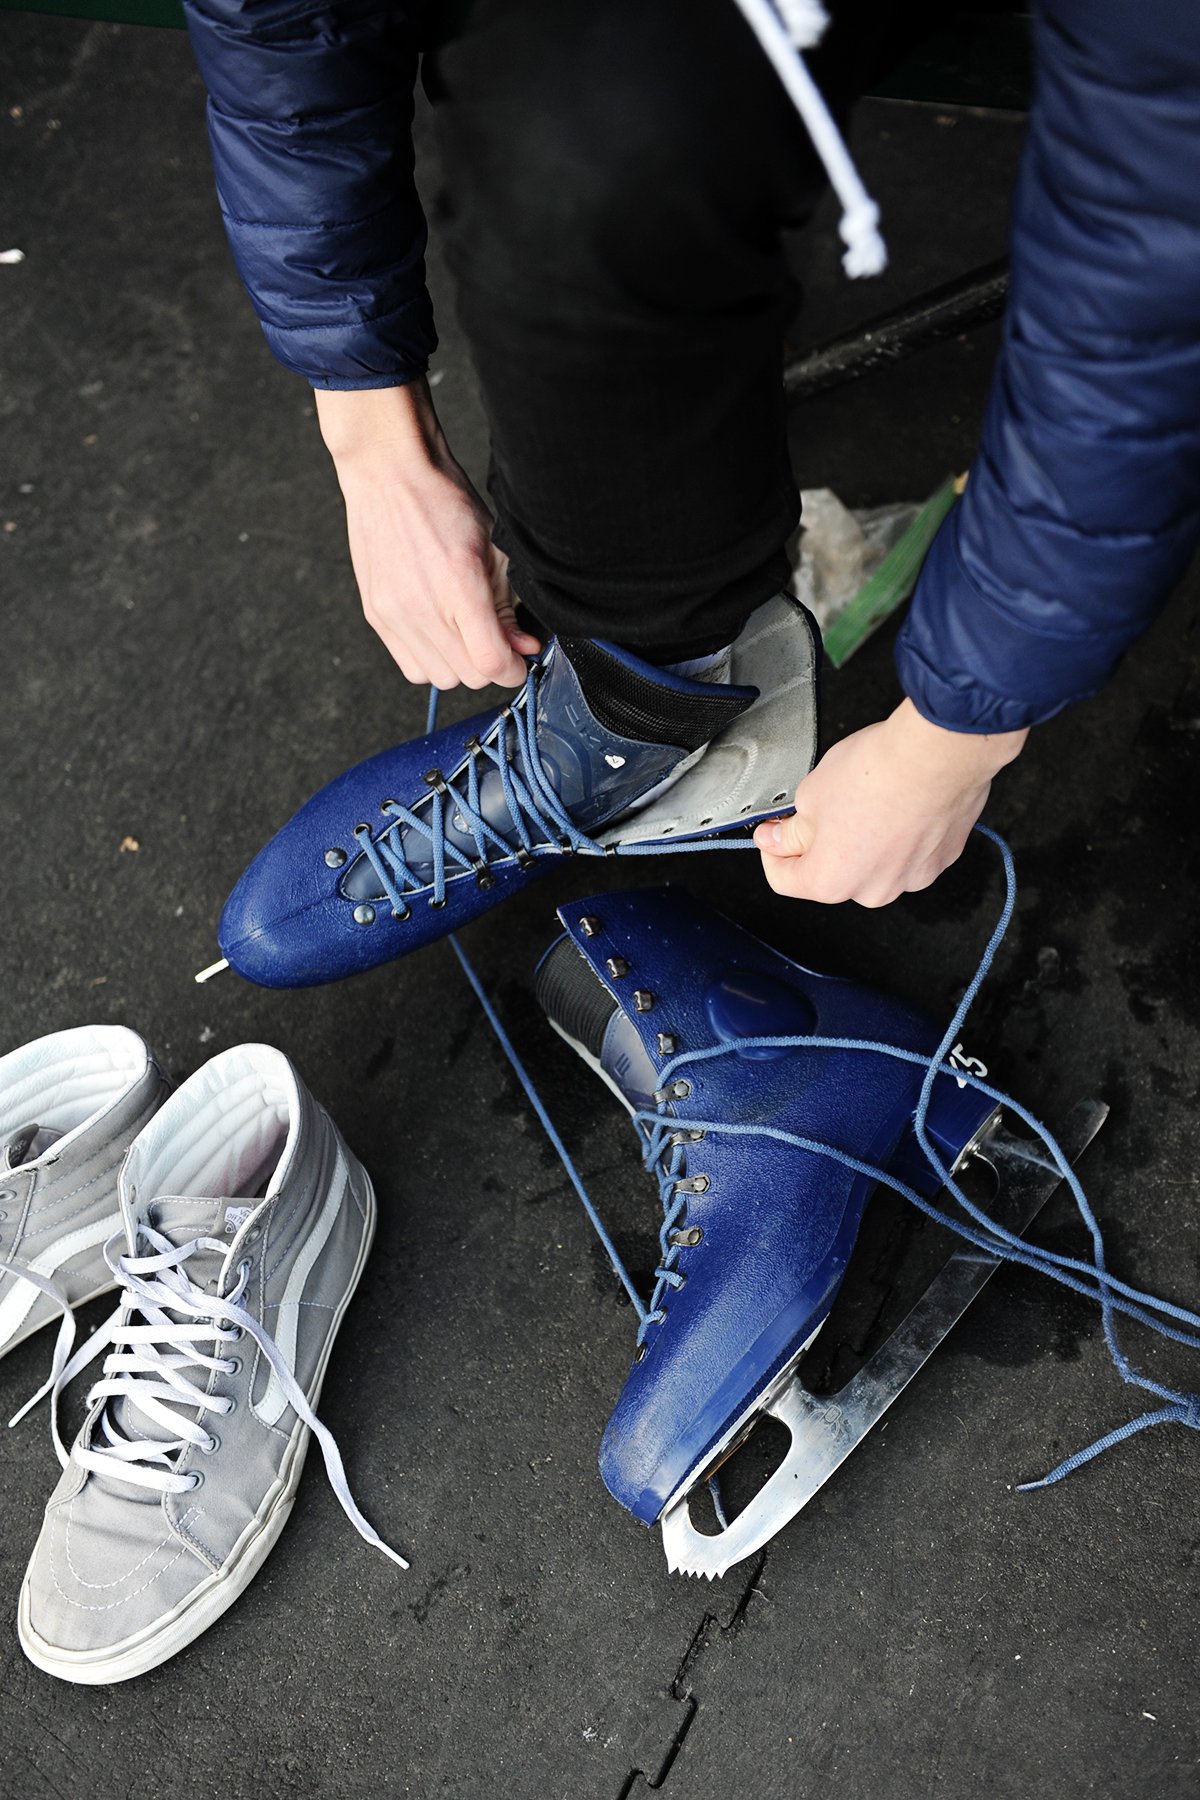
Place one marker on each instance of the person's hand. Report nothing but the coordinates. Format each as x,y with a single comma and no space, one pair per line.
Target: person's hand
884,811
433,585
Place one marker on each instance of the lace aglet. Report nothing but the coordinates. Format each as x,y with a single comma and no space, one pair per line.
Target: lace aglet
31,1403
212,969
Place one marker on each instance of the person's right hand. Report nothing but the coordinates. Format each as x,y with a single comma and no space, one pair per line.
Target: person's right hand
433,584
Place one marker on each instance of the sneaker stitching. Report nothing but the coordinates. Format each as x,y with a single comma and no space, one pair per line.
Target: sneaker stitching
81,1606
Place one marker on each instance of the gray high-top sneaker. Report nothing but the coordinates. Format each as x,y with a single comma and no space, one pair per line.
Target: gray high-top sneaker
70,1106
247,1224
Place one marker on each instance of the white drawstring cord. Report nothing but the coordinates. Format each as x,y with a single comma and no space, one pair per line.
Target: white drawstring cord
796,26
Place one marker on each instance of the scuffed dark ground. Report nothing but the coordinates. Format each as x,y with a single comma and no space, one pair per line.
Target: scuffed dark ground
183,662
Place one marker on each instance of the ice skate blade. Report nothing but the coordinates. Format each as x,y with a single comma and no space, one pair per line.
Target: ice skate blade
825,1429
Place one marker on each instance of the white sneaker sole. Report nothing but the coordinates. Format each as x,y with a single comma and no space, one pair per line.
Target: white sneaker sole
157,1643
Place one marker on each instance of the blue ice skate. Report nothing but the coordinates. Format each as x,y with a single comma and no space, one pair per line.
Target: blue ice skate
756,1234
417,841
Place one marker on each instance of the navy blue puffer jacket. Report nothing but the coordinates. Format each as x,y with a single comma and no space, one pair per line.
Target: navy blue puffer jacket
1084,504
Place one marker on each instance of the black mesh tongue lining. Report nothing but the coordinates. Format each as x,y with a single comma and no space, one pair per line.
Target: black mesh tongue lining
632,705
571,994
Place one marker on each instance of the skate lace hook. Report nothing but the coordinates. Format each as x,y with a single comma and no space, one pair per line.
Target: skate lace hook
147,1367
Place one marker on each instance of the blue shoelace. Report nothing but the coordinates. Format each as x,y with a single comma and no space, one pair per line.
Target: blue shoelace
666,1132
540,823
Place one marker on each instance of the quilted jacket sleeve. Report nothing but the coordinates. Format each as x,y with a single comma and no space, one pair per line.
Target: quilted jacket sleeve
1084,504
310,112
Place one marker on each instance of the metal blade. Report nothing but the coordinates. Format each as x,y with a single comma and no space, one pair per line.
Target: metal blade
825,1430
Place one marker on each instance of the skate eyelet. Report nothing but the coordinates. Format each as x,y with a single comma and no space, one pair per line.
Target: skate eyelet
706,821
524,859
361,828
401,916
776,798
437,905
639,1354
687,1238
616,966
435,779
483,876
387,806
643,1000
589,925
667,1043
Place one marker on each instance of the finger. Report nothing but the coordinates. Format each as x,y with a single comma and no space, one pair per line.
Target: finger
792,836
486,653
419,663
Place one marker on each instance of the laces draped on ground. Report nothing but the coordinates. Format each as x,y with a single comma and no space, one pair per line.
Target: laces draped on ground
666,1131
166,1336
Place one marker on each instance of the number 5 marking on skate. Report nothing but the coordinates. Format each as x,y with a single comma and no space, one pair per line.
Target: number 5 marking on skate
971,1064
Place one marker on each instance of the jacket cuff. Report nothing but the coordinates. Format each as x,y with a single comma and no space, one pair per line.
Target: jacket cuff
969,664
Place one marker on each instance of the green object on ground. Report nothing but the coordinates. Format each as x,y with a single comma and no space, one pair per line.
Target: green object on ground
892,582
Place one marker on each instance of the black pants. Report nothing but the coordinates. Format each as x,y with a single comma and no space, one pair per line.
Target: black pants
617,177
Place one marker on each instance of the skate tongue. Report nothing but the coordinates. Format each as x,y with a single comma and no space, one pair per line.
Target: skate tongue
26,1144
578,1004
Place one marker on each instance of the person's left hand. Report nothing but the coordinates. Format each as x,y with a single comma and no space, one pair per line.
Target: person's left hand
884,811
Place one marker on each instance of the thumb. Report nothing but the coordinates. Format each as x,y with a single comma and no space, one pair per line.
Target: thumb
784,837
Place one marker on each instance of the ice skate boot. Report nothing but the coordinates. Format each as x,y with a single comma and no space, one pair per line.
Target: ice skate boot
670,1003
599,751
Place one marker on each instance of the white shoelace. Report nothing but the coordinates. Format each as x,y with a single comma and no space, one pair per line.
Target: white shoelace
785,29
148,1369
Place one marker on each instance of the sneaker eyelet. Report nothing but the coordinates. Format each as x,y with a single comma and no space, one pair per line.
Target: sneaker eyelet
231,1365
195,1479
229,1406
211,1447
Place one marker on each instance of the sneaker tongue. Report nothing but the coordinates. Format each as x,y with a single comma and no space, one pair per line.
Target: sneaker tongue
26,1144
181,1217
